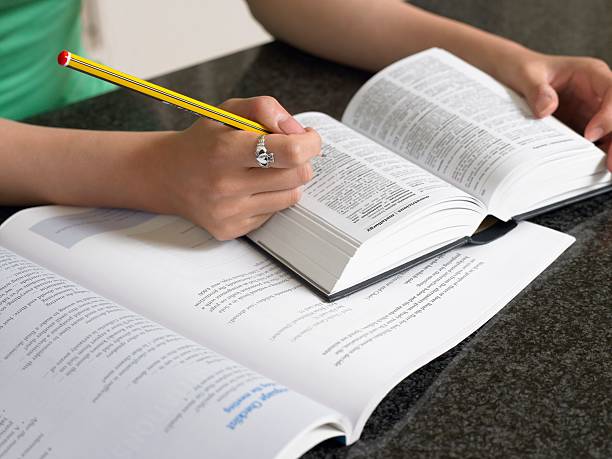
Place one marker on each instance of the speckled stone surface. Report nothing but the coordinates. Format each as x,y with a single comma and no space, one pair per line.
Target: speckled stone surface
536,381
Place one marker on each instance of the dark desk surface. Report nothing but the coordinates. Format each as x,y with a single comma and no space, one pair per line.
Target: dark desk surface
536,380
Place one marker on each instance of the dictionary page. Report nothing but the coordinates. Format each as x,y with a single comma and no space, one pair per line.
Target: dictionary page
81,376
462,125
365,211
361,187
228,297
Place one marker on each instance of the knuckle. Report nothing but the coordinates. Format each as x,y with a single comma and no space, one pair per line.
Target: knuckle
293,196
317,142
269,101
226,230
222,233
597,64
230,102
295,153
215,231
304,173
264,105
529,69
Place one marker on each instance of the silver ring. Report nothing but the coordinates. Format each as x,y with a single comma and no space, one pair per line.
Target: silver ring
263,157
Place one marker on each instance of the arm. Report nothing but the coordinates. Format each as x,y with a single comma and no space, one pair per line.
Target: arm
372,34
206,173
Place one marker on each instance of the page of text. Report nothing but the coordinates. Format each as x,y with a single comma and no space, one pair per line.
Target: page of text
361,187
229,297
455,121
81,376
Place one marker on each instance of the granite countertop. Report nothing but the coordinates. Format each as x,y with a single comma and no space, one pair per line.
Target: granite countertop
534,381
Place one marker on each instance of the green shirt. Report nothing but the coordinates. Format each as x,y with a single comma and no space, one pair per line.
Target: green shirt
32,33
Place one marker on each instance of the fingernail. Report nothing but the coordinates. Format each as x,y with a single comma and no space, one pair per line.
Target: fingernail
594,134
290,126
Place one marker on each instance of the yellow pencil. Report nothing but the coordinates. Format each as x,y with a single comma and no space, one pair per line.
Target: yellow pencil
73,61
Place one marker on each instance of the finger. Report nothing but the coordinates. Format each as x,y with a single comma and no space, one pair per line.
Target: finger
534,85
267,111
600,76
600,124
254,222
270,202
290,151
293,150
605,144
240,227
259,180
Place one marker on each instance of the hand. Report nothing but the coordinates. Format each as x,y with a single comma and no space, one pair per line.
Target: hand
209,174
578,90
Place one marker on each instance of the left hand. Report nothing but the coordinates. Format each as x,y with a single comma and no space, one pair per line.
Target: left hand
578,90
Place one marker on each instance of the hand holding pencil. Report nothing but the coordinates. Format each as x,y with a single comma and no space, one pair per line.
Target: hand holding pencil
210,172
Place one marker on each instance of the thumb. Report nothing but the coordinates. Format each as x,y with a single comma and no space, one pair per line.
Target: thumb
543,100
541,96
267,111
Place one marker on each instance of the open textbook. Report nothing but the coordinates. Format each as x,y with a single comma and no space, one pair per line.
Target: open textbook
125,334
427,149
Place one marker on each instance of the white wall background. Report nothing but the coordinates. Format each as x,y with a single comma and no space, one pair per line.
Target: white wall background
151,37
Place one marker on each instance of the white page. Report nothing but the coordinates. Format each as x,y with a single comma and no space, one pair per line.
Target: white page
456,122
231,298
359,190
361,187
83,377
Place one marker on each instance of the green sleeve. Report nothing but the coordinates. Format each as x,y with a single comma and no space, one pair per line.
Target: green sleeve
32,33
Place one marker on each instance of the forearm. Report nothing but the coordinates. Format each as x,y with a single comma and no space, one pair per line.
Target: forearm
372,34
75,167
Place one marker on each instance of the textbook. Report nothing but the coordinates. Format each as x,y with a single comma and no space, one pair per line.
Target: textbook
130,335
430,151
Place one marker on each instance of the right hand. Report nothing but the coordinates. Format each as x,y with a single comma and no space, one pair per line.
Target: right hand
209,174
577,90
